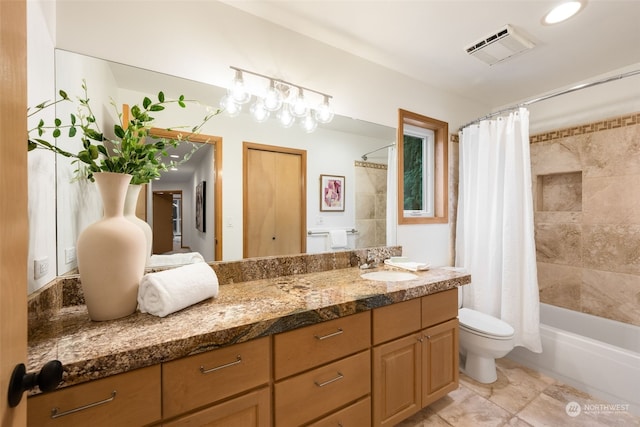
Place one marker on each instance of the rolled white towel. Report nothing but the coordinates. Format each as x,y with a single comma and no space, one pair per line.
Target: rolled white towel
168,291
175,259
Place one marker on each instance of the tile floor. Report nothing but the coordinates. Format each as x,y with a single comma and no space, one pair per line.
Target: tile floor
520,397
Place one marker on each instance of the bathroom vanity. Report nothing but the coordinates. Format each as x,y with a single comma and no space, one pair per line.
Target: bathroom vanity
317,348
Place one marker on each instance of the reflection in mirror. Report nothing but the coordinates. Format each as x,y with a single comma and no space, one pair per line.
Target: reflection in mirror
174,230
422,169
333,149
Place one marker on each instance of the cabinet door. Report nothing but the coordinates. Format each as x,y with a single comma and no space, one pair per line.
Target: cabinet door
440,361
249,410
397,372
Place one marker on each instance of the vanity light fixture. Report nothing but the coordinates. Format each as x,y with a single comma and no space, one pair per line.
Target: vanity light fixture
562,12
282,99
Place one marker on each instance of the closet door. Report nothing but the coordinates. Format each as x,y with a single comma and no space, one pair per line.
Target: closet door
274,201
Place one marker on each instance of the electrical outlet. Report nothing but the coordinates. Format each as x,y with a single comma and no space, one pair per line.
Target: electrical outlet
69,255
40,267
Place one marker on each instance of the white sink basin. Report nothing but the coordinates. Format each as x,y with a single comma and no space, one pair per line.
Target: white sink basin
389,276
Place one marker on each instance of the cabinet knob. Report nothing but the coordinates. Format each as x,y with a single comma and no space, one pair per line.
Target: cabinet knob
47,379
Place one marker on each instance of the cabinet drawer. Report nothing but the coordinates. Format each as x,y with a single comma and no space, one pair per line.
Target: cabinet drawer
307,396
356,415
249,410
205,378
132,398
308,347
396,320
437,308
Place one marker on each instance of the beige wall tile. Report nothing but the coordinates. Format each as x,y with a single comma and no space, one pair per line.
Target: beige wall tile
366,236
557,156
559,243
560,285
612,295
612,152
613,248
365,205
558,217
611,200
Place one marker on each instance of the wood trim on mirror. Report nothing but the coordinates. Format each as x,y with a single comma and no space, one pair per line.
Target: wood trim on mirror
441,160
216,141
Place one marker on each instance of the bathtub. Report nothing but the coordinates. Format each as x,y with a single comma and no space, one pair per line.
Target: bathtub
593,354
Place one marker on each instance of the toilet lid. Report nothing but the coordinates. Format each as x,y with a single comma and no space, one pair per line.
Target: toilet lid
483,323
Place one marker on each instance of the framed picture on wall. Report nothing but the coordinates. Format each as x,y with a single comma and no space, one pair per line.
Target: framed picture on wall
331,193
201,206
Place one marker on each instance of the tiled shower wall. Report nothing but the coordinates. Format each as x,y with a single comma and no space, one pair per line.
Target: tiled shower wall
586,183
371,204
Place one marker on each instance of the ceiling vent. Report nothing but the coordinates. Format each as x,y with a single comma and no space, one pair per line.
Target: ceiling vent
499,46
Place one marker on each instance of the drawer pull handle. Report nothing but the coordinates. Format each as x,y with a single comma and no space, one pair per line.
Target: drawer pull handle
55,414
339,377
324,337
226,365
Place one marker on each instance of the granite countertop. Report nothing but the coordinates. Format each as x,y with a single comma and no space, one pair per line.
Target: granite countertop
242,311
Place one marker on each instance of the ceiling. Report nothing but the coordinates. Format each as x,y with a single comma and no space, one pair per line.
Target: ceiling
426,40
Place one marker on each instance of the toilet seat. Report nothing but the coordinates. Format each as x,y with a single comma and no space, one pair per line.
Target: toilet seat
484,325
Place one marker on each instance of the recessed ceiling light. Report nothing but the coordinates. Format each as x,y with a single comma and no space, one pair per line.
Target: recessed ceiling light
562,12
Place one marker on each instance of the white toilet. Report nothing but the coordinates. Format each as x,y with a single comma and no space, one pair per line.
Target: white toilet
483,339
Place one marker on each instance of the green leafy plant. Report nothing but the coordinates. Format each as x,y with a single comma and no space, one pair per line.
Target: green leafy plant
132,151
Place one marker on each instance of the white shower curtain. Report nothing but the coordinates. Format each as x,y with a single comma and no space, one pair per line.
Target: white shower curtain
495,234
392,196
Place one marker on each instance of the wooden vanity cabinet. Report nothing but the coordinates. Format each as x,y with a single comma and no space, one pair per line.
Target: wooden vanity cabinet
376,368
321,370
129,399
415,355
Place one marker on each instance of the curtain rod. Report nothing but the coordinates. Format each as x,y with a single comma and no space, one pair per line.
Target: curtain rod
553,95
364,156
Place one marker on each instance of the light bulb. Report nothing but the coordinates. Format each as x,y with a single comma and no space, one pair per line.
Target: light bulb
259,112
324,112
308,123
299,106
273,97
285,117
237,90
230,107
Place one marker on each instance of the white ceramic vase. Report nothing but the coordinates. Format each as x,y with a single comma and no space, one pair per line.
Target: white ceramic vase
130,203
111,254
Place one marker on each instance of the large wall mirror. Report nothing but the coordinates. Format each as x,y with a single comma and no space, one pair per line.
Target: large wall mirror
332,149
422,169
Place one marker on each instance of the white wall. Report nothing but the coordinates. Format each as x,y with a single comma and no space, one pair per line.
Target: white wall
78,201
200,40
41,186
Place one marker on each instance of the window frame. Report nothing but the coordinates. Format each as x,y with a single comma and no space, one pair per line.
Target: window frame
408,119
